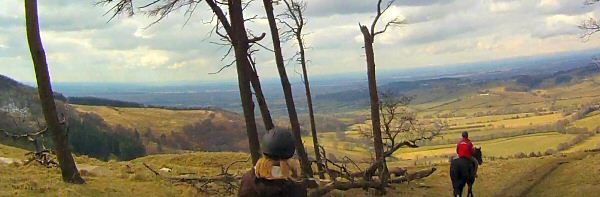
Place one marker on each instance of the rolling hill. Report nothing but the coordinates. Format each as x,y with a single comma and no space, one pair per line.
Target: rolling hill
171,130
454,94
125,133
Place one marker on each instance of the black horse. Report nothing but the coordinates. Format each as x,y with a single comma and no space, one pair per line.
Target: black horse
462,171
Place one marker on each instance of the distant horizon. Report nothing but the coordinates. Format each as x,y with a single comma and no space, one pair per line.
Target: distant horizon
318,77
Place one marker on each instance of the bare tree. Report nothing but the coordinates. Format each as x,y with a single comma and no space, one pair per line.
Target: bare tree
230,30
60,138
400,129
287,89
369,38
399,126
294,13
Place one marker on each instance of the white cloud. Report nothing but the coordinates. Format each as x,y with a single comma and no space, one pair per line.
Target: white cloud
175,66
504,6
557,25
549,4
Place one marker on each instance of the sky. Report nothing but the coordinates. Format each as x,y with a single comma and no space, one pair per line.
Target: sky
82,45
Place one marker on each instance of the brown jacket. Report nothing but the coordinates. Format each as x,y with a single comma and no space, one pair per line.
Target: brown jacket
252,186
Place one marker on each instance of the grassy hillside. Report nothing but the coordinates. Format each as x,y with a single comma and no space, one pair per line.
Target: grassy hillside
20,112
543,176
172,130
160,121
109,178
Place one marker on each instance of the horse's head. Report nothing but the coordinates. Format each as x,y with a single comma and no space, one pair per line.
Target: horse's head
478,155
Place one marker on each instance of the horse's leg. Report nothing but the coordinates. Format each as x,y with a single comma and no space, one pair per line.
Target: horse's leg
470,194
460,188
457,190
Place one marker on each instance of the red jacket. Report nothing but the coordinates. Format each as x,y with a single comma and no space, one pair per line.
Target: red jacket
464,148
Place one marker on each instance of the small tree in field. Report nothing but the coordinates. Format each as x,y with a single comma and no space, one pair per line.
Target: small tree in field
400,127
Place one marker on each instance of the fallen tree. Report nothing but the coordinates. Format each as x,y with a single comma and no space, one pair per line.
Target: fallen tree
338,185
41,154
229,181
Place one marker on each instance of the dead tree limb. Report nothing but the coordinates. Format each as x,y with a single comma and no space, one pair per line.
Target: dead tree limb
230,182
591,25
369,183
42,155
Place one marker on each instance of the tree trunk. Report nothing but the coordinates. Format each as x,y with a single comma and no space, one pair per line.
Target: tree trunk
287,90
374,98
68,168
240,44
262,102
311,113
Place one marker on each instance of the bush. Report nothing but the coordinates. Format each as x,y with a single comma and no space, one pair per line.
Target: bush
550,152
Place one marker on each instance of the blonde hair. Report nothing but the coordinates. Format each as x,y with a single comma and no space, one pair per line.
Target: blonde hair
289,168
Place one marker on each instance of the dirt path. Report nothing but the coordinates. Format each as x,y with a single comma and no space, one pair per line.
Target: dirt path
532,179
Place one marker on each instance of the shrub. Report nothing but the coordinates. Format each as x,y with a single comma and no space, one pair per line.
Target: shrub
550,152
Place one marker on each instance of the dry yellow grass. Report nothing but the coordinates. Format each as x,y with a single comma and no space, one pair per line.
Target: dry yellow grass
589,144
498,147
159,120
529,121
132,179
575,178
482,119
591,122
119,178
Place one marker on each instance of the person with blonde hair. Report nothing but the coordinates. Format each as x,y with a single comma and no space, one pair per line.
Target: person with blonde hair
276,173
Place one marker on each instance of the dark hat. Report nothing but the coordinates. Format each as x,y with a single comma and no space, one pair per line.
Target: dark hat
278,145
465,134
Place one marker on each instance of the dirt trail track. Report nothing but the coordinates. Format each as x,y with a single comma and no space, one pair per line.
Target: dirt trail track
531,180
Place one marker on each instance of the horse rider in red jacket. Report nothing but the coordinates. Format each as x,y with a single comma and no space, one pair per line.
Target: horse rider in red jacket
465,149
